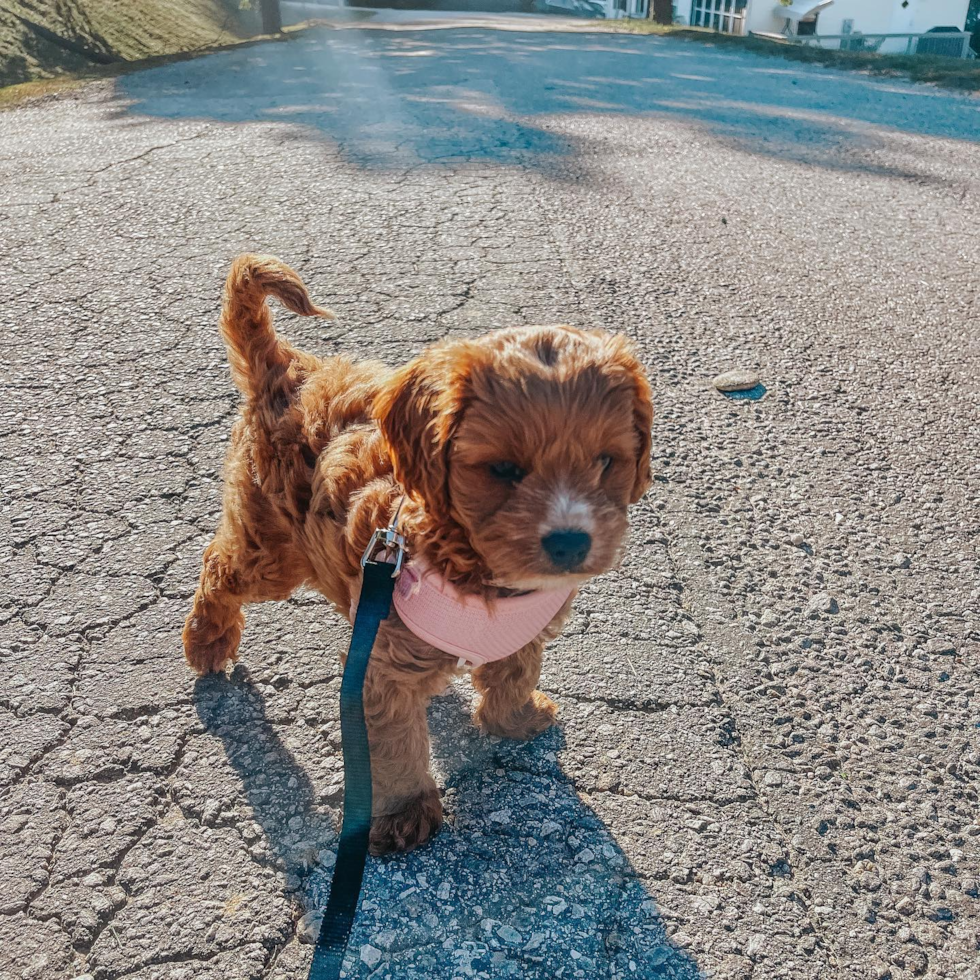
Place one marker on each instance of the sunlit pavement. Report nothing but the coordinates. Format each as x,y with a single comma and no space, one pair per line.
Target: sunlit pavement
768,760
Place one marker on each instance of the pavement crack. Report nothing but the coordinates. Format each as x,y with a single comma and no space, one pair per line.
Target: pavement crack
58,197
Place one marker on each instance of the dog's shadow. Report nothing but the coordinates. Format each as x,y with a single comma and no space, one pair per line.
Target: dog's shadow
524,880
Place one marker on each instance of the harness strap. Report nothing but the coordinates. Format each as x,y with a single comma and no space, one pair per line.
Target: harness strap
345,888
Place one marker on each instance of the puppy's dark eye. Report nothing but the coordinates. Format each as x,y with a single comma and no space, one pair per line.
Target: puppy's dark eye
604,462
508,471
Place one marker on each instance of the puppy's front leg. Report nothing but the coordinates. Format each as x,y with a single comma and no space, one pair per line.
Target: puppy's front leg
407,805
510,705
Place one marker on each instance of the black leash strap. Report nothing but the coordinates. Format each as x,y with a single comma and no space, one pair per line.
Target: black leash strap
345,889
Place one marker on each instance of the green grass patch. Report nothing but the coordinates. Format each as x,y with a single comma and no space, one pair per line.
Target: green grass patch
11,95
104,38
73,72
44,40
955,73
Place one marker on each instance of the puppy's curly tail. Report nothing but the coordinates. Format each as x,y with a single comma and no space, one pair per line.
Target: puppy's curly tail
246,320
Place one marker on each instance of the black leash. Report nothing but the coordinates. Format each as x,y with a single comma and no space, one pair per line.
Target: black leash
348,873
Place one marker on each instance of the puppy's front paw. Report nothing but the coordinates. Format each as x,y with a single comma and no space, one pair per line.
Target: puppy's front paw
532,718
207,648
411,825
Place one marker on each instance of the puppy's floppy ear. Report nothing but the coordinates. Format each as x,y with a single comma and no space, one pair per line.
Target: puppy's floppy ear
626,360
643,420
418,409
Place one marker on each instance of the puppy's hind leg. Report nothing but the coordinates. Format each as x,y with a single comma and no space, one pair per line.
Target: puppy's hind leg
237,569
214,627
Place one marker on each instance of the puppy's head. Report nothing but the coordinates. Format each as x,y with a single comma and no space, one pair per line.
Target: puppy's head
533,441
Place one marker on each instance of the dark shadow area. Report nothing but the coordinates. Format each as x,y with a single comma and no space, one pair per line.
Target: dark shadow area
470,6
276,787
394,99
524,881
583,8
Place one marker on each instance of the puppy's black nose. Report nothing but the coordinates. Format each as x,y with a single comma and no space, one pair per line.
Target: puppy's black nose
567,548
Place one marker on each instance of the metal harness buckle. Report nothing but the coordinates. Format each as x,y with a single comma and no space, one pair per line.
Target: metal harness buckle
388,544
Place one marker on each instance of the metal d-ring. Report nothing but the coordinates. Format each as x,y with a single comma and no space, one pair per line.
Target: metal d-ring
385,542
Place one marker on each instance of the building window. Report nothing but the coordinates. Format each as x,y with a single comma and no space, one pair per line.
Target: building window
808,26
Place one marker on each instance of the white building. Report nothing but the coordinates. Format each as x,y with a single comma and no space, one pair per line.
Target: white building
823,17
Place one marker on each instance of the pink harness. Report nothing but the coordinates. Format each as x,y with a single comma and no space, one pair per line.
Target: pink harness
465,625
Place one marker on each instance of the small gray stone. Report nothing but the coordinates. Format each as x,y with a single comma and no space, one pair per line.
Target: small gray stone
370,955
737,379
822,602
308,927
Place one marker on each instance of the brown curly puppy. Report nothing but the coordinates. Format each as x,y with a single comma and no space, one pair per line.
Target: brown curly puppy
499,446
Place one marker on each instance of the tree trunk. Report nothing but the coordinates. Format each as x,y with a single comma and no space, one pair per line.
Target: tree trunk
973,16
271,16
973,24
661,11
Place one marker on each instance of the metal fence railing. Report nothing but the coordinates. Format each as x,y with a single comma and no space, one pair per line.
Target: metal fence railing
948,44
726,16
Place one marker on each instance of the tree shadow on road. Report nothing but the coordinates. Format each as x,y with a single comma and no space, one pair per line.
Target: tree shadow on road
525,881
391,100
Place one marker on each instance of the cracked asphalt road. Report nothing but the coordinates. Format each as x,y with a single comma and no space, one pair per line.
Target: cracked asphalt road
768,760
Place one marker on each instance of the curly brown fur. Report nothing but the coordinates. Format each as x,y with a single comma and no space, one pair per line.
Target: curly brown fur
325,449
